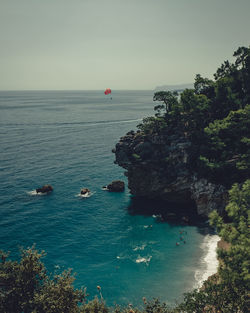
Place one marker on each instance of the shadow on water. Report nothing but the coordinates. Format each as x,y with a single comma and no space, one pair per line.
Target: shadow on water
172,213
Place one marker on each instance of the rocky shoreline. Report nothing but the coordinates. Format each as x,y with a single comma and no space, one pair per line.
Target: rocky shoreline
158,167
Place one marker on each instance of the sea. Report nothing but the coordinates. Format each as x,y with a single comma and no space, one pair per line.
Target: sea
65,138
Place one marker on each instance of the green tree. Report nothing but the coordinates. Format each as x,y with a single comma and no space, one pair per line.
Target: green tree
195,111
170,99
26,287
227,149
204,86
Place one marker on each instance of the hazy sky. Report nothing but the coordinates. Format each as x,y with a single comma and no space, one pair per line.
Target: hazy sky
121,44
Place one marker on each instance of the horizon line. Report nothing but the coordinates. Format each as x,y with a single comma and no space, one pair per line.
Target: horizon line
75,89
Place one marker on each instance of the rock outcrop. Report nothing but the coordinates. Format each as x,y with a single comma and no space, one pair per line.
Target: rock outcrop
158,166
116,186
44,189
84,191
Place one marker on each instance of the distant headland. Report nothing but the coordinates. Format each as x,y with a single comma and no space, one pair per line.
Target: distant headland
178,87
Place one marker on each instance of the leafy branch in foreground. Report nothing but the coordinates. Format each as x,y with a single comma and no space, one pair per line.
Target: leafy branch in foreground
26,287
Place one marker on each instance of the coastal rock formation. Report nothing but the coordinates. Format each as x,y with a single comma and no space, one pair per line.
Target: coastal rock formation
208,196
158,166
116,186
84,191
44,189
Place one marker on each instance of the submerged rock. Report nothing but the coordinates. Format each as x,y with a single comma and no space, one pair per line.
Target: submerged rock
116,186
44,189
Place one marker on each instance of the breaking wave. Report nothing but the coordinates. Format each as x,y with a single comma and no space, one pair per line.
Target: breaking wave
209,261
143,260
86,195
34,193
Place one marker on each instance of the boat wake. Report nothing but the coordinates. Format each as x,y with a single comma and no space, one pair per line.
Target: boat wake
143,260
142,247
83,123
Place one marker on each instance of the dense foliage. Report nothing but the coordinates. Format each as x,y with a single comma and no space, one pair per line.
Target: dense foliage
215,117
25,286
226,156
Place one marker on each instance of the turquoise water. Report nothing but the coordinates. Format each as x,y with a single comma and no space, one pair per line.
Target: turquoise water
65,138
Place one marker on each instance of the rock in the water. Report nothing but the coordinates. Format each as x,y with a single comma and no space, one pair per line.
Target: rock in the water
84,191
116,186
44,189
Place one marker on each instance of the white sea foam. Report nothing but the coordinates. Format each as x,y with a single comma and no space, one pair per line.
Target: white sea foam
142,247
143,260
86,195
122,257
157,216
34,193
209,261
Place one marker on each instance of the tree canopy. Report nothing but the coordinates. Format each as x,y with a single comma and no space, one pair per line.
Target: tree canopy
214,116
26,287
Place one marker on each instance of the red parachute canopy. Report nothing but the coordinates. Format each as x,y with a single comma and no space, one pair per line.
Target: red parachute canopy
107,91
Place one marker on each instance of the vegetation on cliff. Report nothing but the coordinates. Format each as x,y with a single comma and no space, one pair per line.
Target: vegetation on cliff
215,117
197,144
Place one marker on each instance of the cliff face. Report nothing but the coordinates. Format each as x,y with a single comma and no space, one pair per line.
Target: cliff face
157,166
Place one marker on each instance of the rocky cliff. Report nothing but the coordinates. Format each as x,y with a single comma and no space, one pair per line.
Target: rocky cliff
158,166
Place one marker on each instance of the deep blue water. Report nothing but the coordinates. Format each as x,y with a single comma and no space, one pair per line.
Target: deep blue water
65,138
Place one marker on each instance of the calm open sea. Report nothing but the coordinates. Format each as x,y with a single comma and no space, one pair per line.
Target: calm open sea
65,138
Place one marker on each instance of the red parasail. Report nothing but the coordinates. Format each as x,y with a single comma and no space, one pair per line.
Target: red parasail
107,91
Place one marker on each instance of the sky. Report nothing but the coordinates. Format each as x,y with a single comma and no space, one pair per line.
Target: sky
120,44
